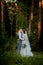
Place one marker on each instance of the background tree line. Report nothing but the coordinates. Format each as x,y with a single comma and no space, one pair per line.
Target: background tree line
25,15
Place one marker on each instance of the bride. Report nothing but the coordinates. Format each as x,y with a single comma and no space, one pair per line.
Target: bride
25,48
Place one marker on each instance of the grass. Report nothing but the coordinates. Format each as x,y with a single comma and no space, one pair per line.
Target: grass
12,58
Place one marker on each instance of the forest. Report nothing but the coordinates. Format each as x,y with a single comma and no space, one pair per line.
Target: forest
26,14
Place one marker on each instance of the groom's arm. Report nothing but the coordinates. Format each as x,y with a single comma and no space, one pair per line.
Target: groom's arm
20,36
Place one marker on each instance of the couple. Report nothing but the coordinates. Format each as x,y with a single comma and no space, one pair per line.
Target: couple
23,48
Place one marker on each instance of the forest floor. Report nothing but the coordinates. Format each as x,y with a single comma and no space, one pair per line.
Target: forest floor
12,58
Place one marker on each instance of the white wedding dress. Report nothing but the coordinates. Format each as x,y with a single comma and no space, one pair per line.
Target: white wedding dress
26,50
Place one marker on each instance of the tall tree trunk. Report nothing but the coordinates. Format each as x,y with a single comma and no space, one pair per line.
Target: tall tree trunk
31,17
2,18
42,3
41,29
12,9
39,20
16,13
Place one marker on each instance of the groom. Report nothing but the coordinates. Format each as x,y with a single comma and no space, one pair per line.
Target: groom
19,40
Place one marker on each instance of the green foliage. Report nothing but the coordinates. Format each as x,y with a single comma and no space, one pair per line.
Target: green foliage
10,58
21,5
25,7
8,55
20,20
10,20
21,23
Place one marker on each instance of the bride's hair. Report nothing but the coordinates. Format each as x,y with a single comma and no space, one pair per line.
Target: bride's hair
24,31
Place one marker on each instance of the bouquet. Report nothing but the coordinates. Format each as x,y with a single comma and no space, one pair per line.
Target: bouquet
24,45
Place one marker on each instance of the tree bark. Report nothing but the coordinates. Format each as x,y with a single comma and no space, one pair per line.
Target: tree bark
2,18
31,17
39,20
